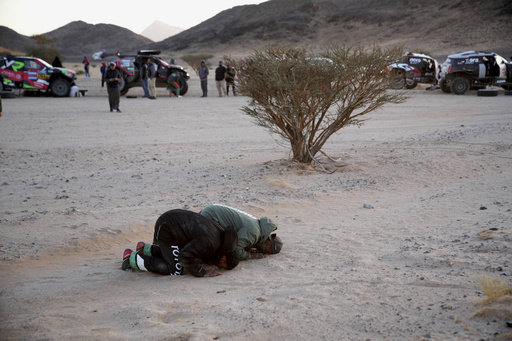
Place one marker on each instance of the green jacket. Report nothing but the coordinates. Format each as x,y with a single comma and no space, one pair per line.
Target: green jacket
252,232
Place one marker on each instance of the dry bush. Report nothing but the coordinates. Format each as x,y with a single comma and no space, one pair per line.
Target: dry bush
194,60
44,48
494,287
305,98
485,234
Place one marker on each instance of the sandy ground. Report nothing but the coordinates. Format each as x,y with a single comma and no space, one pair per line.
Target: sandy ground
79,185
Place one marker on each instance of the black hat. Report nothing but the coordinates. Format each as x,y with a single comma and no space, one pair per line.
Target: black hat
277,243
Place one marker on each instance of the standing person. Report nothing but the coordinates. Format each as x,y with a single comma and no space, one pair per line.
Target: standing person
112,78
203,76
252,232
144,77
86,66
152,74
230,79
103,69
220,79
56,62
182,241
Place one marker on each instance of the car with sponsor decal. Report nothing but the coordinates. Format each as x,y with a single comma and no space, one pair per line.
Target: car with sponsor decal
415,68
474,70
34,74
129,67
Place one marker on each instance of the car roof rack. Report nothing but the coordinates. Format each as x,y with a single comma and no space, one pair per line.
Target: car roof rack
148,52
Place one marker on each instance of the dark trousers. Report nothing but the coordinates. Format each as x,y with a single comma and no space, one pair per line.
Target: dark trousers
163,260
232,84
114,96
204,87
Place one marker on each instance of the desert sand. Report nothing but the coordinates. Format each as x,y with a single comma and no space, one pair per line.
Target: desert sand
389,246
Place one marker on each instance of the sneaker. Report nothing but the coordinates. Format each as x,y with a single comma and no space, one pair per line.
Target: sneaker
140,247
126,259
118,110
111,110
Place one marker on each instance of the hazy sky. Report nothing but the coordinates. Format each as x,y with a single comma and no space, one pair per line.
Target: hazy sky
30,17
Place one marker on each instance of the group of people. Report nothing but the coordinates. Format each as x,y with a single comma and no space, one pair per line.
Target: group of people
219,235
224,78
148,74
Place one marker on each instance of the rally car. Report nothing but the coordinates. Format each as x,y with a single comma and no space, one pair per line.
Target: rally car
474,69
34,74
415,68
129,67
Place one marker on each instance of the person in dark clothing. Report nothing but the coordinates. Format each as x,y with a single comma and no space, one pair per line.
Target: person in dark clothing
112,78
152,75
203,76
103,69
56,62
183,240
220,79
144,78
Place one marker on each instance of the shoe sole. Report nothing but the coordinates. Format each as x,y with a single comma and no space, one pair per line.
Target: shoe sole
126,262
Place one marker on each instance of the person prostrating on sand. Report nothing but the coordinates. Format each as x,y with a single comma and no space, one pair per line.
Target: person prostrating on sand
183,240
255,236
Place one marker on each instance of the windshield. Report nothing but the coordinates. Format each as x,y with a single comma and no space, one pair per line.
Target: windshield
44,63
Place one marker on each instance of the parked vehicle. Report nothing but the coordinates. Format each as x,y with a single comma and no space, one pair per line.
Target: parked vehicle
34,74
474,70
129,66
415,68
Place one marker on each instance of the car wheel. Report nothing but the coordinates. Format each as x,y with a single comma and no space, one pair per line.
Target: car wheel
410,83
459,86
123,89
397,80
60,88
183,86
487,93
444,86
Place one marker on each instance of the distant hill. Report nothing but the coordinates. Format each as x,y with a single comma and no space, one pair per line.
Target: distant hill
78,39
159,31
12,42
438,26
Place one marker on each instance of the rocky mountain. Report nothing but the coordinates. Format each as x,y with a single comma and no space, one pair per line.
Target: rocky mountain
159,31
78,39
12,42
438,26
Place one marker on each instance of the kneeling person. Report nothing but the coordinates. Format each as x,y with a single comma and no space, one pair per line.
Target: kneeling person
183,240
252,232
